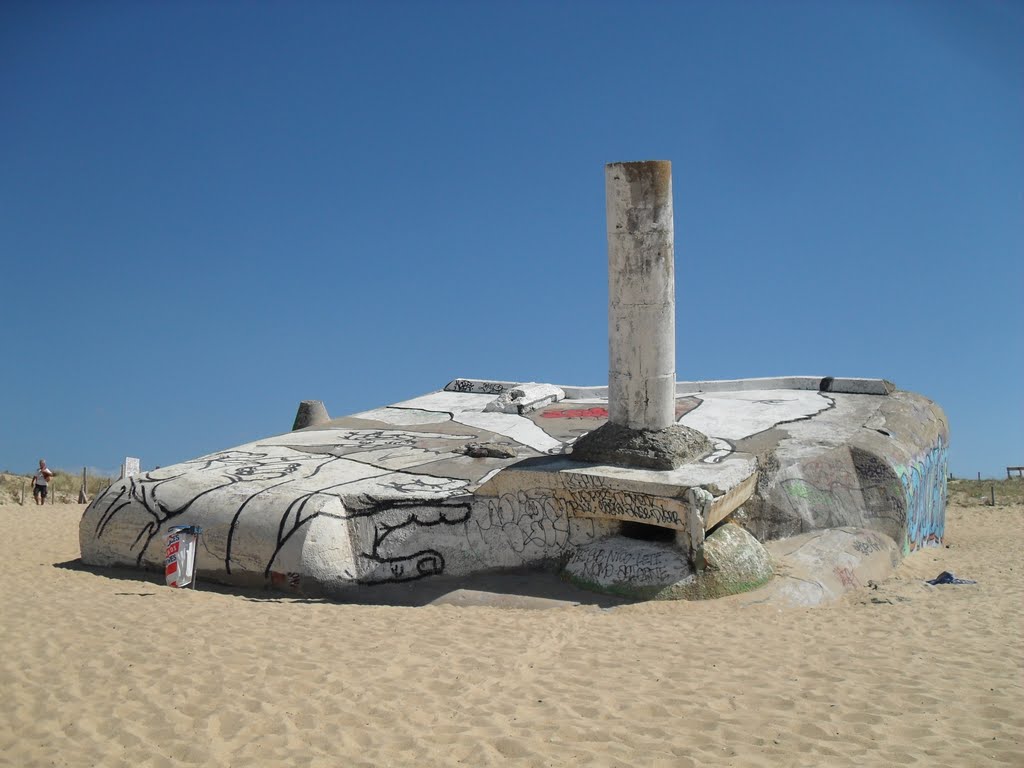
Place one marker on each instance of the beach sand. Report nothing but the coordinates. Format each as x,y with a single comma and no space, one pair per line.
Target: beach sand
114,669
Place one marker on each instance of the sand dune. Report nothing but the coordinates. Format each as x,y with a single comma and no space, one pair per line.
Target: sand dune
101,669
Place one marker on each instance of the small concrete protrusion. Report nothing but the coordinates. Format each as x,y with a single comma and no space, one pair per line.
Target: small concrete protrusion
310,414
698,502
524,398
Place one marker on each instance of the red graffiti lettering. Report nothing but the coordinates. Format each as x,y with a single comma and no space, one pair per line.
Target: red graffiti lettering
846,577
577,413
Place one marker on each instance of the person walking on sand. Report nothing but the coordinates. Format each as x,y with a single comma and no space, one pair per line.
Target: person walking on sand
41,482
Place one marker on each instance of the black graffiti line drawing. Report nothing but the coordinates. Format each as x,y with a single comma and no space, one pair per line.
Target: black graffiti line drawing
425,562
234,467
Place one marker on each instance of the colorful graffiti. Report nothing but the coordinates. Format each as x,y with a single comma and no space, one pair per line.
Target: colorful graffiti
924,483
906,502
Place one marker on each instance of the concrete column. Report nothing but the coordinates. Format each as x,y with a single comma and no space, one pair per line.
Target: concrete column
641,295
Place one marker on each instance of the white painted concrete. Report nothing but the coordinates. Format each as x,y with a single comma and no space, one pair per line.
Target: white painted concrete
403,416
468,409
735,415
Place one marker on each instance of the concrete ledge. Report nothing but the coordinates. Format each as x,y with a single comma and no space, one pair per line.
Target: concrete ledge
848,386
479,386
838,384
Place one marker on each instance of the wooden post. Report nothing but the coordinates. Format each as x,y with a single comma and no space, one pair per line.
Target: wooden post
979,477
993,494
83,493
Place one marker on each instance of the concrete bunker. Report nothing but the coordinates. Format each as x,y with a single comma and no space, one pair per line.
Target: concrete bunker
648,487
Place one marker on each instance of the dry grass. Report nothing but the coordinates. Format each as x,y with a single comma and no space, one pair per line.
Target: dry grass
64,487
967,492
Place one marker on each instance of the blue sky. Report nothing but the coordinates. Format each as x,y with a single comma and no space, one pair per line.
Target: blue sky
210,211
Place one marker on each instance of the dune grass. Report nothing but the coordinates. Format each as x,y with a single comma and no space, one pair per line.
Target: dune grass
64,487
1006,492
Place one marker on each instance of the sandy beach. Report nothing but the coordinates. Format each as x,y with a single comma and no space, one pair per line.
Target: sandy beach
114,669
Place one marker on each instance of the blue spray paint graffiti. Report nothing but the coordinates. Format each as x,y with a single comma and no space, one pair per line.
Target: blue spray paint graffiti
924,483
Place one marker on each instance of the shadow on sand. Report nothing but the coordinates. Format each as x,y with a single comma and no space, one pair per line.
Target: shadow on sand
519,588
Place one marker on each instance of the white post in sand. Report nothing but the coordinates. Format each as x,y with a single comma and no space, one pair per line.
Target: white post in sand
641,295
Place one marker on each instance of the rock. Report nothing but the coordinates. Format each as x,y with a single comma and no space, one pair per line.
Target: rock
632,568
489,451
734,562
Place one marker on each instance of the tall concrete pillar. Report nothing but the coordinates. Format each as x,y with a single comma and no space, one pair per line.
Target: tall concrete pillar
641,295
641,429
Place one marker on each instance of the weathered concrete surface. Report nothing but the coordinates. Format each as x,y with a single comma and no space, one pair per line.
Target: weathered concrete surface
641,295
309,414
817,568
667,448
390,495
868,462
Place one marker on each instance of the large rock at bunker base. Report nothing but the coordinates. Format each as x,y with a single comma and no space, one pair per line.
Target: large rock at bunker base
734,562
645,570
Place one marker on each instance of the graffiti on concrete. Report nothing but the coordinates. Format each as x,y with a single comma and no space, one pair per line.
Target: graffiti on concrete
372,505
925,485
884,503
531,523
476,387
837,488
587,496
722,449
165,495
601,565
823,503
846,577
396,526
869,545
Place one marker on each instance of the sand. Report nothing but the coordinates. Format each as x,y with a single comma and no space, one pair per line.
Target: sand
116,670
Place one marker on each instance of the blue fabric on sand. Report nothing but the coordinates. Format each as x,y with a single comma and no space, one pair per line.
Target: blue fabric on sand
948,578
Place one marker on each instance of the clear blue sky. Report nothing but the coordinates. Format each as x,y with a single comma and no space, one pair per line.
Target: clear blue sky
210,211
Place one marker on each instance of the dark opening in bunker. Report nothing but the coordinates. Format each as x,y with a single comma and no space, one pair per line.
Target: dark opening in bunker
645,532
